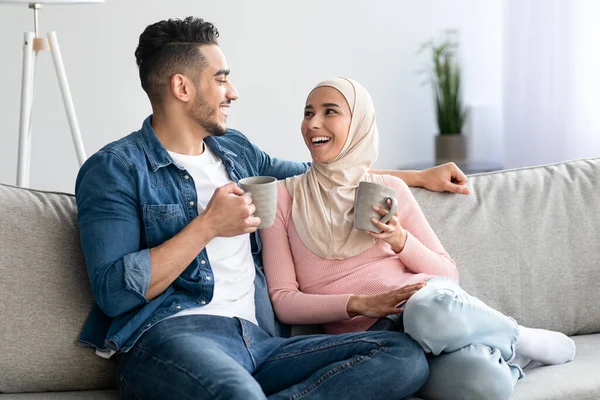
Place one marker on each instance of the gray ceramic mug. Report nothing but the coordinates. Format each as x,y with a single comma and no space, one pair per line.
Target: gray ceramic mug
263,190
371,194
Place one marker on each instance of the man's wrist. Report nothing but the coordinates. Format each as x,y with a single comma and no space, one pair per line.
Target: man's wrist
206,229
412,178
419,179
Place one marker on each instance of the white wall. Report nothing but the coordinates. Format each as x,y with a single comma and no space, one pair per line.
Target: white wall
551,81
277,51
585,133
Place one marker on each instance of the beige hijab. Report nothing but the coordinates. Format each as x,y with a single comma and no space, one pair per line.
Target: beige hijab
323,197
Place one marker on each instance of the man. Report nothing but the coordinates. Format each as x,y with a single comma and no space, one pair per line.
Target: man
170,247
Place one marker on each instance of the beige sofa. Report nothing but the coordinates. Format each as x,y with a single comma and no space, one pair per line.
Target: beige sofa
526,241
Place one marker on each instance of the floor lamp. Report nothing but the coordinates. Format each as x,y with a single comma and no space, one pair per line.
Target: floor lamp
33,44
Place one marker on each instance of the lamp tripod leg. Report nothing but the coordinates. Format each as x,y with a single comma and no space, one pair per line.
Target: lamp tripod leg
67,99
23,160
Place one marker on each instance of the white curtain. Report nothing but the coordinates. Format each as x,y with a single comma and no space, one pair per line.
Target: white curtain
551,81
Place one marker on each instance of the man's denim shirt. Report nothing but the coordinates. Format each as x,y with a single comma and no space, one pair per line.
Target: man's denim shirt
131,196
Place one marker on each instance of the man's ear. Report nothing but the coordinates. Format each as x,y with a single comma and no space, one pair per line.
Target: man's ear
181,87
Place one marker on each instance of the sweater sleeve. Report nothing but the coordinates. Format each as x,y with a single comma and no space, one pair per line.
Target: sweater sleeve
423,252
291,305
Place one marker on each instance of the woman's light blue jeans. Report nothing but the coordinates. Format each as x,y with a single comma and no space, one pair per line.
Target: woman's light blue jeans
471,345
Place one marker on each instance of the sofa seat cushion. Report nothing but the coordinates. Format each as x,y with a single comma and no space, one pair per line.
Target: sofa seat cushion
579,379
77,395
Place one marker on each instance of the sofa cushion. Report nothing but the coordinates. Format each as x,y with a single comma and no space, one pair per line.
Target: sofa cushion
527,242
579,379
79,395
45,297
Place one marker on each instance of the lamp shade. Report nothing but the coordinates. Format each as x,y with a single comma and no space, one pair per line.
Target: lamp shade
51,2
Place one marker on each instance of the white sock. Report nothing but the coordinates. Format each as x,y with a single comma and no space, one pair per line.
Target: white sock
547,347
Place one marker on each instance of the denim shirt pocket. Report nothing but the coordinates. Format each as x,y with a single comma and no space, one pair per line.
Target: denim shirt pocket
162,222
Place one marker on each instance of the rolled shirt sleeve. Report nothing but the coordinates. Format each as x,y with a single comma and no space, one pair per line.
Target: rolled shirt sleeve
110,228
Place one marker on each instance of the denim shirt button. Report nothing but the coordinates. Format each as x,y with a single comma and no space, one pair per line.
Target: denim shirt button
186,177
207,278
177,307
191,204
203,302
202,262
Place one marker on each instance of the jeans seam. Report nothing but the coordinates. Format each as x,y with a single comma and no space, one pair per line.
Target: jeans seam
333,371
141,350
325,346
129,387
246,344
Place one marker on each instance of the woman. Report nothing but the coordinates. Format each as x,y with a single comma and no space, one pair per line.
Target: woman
320,270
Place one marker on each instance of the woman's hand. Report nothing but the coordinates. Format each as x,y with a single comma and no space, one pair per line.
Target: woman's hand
383,304
392,233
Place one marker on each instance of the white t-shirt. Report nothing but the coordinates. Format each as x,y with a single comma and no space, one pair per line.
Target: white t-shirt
230,257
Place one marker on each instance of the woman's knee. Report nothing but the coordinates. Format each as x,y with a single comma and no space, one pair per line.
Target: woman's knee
428,318
475,372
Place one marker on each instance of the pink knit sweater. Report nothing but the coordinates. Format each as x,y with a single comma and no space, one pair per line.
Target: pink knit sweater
308,289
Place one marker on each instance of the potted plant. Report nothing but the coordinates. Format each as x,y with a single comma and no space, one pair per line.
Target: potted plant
445,78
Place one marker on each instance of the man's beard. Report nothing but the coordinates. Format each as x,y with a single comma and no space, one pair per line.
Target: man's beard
204,116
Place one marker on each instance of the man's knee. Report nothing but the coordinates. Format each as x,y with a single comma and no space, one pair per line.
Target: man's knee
410,361
473,373
420,366
207,374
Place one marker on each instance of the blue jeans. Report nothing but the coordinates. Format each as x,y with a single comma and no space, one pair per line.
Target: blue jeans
471,344
212,357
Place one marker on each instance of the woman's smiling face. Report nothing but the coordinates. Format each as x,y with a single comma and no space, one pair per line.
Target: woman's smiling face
326,123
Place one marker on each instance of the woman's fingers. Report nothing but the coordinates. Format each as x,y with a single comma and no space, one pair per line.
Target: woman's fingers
411,287
389,302
404,295
379,236
380,211
406,292
382,226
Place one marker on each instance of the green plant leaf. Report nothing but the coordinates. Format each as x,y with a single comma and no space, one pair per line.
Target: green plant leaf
446,85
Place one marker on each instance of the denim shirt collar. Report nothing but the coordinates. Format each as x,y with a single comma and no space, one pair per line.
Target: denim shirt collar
213,143
159,157
156,153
